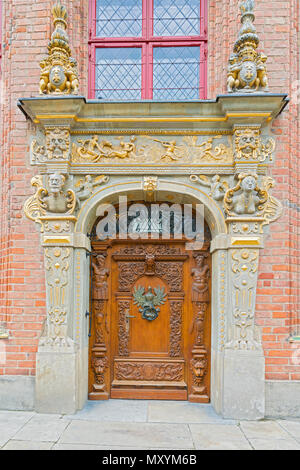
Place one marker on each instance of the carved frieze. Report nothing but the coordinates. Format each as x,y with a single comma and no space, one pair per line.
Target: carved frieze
145,149
153,250
149,371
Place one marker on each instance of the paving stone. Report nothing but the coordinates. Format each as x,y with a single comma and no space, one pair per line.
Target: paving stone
27,445
113,410
184,412
143,435
263,430
292,427
11,422
275,444
218,436
47,428
92,447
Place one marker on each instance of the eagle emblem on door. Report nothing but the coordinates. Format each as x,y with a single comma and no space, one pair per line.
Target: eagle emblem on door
149,302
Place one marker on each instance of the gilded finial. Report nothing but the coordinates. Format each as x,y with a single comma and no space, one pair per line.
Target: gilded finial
59,75
247,71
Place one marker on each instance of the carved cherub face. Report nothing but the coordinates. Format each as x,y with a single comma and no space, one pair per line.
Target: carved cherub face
56,182
248,184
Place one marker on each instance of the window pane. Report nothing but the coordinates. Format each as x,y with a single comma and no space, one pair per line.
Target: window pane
176,17
176,73
118,74
119,18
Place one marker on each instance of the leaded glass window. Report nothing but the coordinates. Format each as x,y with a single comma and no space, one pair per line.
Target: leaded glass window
148,49
176,18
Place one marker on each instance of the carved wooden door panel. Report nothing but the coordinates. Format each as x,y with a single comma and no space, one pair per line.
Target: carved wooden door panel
155,306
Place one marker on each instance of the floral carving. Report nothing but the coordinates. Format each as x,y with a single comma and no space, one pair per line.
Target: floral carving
128,273
124,309
175,328
171,272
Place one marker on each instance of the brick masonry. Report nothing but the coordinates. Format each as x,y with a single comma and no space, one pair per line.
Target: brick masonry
25,34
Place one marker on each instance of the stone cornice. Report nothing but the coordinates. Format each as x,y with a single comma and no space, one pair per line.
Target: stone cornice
221,114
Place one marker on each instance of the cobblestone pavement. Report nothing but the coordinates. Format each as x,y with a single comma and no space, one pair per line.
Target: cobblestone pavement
139,424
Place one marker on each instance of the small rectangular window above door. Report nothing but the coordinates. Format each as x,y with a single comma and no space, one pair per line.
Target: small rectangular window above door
148,49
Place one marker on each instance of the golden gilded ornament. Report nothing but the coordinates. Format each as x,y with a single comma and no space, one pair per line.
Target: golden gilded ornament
59,73
146,149
247,71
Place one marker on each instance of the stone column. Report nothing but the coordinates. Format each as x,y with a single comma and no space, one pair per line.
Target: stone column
61,376
244,362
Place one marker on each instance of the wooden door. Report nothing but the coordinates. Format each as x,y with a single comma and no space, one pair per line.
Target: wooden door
151,321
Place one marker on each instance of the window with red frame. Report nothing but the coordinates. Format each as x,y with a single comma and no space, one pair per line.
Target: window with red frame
148,49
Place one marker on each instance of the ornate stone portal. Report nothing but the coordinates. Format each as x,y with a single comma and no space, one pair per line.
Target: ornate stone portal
214,153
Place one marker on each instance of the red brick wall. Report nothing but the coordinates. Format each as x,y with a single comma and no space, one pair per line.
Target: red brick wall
26,32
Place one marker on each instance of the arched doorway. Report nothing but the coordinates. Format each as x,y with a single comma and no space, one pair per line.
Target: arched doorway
150,326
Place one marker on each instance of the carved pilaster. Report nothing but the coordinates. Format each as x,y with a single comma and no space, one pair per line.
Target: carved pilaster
200,299
58,265
244,267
